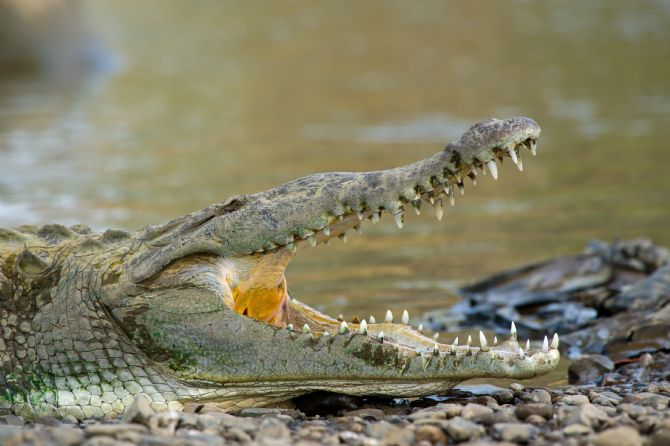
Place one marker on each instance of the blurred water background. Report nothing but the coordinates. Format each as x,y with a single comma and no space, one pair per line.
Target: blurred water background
183,104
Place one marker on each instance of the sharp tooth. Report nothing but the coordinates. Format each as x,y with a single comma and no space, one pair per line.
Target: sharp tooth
483,342
467,350
343,237
372,320
325,333
359,215
431,199
512,332
363,327
493,167
380,337
533,147
455,344
438,207
512,154
527,345
398,216
416,204
420,328
358,228
389,316
289,327
520,165
458,176
521,353
469,341
405,317
340,317
545,345
344,328
495,340
461,188
326,231
306,329
311,240
554,342
376,217
435,336
436,350
452,197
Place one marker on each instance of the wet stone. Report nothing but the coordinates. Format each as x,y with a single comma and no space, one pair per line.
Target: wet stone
451,410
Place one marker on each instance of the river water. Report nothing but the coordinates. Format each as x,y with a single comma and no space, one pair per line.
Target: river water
203,100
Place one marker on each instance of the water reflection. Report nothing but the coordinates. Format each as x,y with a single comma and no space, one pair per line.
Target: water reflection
219,98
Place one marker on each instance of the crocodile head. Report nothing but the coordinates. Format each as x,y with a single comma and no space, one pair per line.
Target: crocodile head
205,296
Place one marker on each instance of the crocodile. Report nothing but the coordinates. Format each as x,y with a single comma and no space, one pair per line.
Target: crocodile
197,310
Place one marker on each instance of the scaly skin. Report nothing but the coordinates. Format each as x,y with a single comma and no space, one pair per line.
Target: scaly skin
197,309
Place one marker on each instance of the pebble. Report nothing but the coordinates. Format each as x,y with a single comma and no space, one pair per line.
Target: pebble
574,400
544,410
460,429
475,411
618,415
516,432
617,436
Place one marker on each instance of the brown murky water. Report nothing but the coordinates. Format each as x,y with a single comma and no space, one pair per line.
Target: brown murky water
212,99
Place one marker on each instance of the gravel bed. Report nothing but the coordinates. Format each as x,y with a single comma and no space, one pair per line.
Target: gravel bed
618,415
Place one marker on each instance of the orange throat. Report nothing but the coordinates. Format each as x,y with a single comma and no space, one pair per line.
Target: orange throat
256,287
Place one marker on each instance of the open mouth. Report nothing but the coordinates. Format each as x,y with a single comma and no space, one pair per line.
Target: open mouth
256,287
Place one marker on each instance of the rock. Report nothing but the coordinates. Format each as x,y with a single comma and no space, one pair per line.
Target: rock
460,429
368,414
48,421
544,410
258,412
504,396
67,436
140,411
516,432
658,402
12,420
577,429
431,434
112,430
517,387
586,414
450,409
238,435
617,436
164,423
574,400
272,428
540,396
632,410
662,436
390,434
612,397
475,411
589,369
535,420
